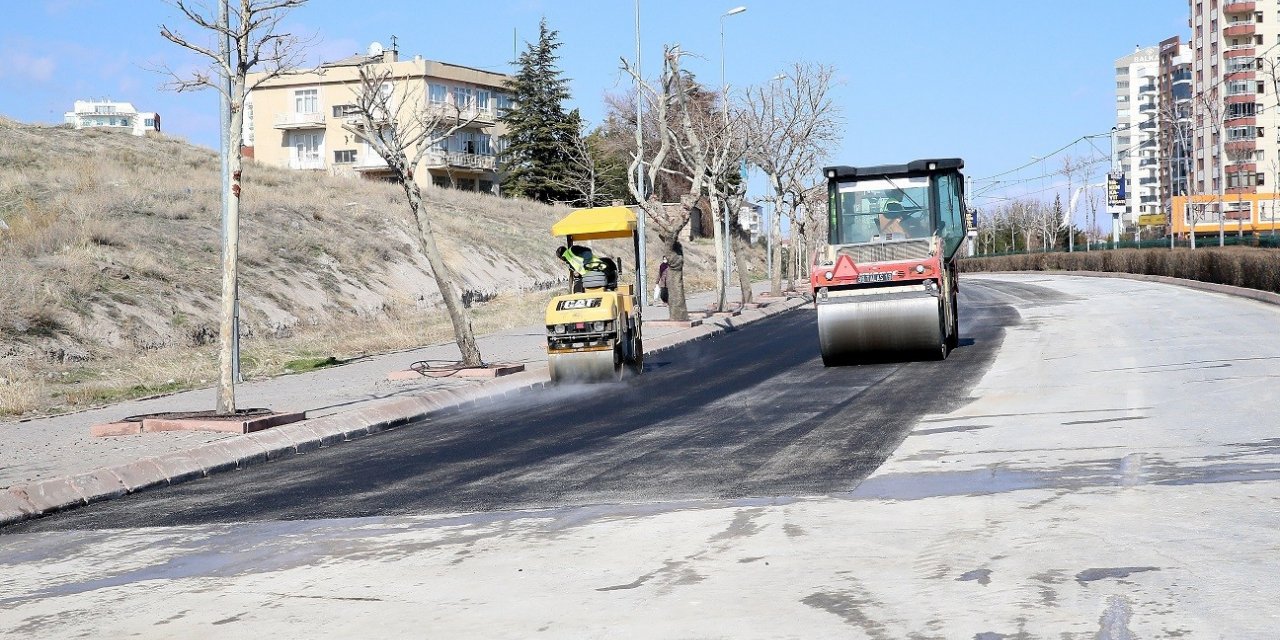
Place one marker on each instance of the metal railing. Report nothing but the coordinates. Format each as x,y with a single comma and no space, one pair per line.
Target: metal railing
461,159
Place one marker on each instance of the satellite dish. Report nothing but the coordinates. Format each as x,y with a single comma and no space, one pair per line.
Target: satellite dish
375,49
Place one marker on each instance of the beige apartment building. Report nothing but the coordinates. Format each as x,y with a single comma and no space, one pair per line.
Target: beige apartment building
1234,44
296,120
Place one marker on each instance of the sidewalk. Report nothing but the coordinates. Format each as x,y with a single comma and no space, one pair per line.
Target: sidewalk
43,448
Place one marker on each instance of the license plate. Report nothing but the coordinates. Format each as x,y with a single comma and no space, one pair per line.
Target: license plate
884,276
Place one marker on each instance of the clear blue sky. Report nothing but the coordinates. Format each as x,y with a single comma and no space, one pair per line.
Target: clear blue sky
993,81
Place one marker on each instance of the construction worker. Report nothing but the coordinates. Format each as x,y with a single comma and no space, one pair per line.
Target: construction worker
581,260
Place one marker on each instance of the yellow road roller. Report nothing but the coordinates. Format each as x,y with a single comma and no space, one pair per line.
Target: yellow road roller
593,332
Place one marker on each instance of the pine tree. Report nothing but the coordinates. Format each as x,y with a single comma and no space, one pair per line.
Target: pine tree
539,131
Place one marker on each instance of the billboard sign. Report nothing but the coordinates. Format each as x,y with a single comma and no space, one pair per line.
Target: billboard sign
1116,196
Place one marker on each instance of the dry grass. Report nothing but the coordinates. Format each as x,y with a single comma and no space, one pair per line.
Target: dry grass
109,280
1249,267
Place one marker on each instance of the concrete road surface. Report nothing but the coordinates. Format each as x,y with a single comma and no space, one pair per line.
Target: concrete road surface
1098,461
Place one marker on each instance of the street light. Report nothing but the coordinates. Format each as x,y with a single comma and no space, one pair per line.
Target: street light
724,110
642,280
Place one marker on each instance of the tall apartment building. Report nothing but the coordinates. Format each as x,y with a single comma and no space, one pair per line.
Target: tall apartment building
1233,40
112,116
1135,144
295,120
1175,118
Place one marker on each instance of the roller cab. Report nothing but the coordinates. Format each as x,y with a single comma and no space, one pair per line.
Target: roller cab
885,282
594,331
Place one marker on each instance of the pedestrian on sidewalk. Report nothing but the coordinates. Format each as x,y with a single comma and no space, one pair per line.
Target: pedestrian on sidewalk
662,280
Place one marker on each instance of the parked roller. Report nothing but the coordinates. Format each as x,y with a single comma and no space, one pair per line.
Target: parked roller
594,332
885,283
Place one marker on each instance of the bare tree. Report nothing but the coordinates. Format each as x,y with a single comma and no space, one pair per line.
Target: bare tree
792,123
667,221
584,176
728,148
708,147
402,130
242,39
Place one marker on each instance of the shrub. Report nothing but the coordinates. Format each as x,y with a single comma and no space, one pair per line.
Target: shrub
1238,266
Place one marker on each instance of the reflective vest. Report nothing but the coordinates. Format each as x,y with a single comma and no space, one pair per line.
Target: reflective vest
581,264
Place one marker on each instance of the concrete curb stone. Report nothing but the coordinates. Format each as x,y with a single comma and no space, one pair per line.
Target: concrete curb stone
51,495
15,507
22,502
98,485
140,474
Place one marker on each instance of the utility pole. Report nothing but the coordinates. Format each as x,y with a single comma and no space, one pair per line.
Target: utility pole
642,280
724,110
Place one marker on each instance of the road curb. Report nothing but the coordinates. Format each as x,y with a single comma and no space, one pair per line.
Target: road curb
1212,287
32,500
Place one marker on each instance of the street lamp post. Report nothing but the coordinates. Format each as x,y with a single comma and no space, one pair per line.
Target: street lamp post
724,111
642,281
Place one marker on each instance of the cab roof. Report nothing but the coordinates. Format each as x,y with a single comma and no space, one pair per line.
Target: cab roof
597,223
913,168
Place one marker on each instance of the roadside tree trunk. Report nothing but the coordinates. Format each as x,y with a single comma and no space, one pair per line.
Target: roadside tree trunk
458,317
248,40
677,305
402,131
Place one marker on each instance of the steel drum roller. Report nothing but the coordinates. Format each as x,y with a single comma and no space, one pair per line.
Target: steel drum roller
879,325
585,366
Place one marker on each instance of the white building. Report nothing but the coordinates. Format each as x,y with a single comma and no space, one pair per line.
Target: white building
115,116
1135,144
750,219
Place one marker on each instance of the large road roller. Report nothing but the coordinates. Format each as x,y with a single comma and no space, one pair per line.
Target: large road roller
885,282
593,332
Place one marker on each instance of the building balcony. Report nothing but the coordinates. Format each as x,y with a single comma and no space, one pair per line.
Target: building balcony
369,162
1242,51
461,160
1241,146
450,112
1246,74
1240,29
1234,7
1247,167
1242,121
306,164
1242,98
293,121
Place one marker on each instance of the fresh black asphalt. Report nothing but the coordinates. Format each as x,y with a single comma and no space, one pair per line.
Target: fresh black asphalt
752,413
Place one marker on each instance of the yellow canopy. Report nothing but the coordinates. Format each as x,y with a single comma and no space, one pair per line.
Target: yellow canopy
597,223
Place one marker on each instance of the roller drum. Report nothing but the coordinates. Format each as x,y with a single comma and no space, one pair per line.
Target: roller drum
585,366
880,326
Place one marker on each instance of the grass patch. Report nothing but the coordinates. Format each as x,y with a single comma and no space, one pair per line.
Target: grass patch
303,365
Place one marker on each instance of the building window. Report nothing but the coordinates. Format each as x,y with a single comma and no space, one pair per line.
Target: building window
482,100
149,123
486,186
341,110
463,98
124,122
505,103
437,93
306,101
344,156
441,181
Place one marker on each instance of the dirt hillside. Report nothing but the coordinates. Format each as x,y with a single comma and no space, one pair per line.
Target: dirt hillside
111,257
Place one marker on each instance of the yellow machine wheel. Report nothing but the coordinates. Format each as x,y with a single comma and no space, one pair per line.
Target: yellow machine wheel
586,366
